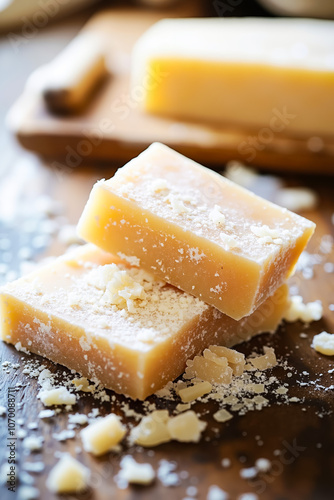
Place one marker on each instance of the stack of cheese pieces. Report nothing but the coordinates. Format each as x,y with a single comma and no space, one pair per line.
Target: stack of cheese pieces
179,258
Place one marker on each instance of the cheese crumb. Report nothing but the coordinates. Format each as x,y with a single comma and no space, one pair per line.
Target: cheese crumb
82,384
68,476
228,241
297,310
102,436
216,365
324,343
134,472
131,259
152,429
119,287
158,185
266,234
216,493
222,415
216,216
186,427
58,396
195,391
177,204
267,360
33,443
263,464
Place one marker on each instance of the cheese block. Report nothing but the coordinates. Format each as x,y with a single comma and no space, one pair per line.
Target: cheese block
256,73
116,324
196,230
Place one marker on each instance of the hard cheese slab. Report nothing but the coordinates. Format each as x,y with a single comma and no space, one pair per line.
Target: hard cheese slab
113,128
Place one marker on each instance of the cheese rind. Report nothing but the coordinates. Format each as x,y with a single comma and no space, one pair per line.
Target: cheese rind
249,72
233,266
56,312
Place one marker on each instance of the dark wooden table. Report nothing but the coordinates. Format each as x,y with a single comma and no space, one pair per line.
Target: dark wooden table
303,432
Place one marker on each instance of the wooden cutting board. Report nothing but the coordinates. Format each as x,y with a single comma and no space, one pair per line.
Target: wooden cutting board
76,139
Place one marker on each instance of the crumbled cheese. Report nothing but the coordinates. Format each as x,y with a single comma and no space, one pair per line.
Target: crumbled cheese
216,493
46,414
266,234
103,435
78,418
82,384
64,435
248,473
118,285
195,391
152,429
222,415
34,466
177,204
297,310
216,365
263,464
19,347
134,472
267,360
68,476
158,185
131,259
216,216
33,443
186,427
228,241
58,396
324,343
236,360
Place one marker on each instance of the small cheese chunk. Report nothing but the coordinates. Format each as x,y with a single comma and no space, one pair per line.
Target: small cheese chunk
134,472
222,415
58,396
324,343
217,365
233,266
186,427
267,360
68,476
103,435
195,391
152,429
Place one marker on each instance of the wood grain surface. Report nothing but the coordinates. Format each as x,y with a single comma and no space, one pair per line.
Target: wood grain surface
303,432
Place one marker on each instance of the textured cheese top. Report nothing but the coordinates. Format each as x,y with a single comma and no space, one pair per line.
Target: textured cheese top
97,292
294,43
206,204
